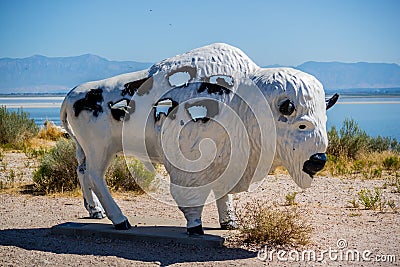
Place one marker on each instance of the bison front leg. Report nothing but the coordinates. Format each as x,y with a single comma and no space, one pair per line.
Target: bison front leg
190,201
193,220
227,218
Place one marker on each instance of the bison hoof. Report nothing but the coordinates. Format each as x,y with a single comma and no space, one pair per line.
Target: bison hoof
197,230
231,225
125,225
97,215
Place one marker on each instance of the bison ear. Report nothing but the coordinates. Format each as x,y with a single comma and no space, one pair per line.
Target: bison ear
331,101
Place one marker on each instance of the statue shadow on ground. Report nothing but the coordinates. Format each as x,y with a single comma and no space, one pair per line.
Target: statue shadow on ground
166,253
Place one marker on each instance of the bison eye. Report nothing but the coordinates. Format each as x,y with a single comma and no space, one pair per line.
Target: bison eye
286,107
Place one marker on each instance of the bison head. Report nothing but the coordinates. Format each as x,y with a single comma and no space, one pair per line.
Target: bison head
297,102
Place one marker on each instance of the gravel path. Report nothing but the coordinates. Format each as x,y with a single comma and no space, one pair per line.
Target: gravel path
25,222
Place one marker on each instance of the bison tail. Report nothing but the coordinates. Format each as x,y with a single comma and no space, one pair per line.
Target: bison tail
64,120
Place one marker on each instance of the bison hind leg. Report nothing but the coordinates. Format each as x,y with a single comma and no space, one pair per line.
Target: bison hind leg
96,211
90,200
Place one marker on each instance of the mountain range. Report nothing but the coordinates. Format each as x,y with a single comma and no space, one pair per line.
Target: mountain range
40,74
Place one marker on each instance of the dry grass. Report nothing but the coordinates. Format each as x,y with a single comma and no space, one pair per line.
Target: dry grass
280,170
50,132
39,143
368,165
260,223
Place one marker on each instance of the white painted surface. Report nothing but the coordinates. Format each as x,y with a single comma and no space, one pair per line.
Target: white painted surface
226,154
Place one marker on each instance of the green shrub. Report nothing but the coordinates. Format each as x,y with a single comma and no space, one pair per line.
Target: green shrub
391,163
337,165
377,173
31,153
16,128
259,223
380,143
370,200
129,175
351,141
290,199
396,184
391,204
57,169
334,147
358,166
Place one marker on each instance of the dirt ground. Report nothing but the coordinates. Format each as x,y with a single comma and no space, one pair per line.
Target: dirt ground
25,222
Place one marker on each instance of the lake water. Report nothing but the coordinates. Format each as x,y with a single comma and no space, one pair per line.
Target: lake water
377,116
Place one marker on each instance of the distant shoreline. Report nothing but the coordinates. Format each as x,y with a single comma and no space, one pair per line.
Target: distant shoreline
344,93
20,95
368,102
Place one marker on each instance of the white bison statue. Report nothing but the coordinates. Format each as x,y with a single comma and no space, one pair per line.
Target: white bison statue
215,119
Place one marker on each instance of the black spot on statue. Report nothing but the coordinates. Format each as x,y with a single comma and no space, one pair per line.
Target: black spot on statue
167,107
203,120
211,106
133,87
125,225
91,102
197,230
121,109
213,88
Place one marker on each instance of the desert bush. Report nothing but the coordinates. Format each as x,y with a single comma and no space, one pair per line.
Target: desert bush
391,163
31,153
352,141
290,199
57,169
380,143
396,184
370,200
377,173
392,204
337,165
260,223
352,152
349,142
9,181
128,175
16,128
50,131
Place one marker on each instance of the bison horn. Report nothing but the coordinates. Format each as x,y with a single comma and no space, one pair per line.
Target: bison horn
331,101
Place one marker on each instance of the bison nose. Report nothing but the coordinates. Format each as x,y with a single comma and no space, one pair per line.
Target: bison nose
314,164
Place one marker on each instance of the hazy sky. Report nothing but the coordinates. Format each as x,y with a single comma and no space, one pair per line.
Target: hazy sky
270,32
